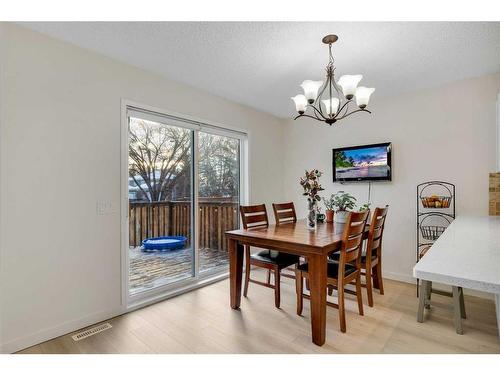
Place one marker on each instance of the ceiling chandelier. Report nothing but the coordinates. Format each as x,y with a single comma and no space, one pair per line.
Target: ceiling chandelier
332,104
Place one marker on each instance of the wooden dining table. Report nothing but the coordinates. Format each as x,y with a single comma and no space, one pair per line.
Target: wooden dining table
293,238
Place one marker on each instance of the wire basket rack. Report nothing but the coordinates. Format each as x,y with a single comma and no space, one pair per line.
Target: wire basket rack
435,211
431,232
433,225
429,198
436,201
423,250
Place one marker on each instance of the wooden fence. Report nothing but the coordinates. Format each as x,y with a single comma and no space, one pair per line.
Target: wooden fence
173,218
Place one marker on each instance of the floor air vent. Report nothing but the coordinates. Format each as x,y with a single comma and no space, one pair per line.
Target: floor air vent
91,331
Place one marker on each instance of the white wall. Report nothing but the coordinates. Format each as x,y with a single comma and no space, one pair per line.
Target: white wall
446,133
60,154
1,136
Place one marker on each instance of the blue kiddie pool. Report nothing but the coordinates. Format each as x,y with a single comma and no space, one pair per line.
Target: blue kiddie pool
164,243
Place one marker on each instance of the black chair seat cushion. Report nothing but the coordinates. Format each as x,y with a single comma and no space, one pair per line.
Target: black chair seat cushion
276,257
333,269
336,257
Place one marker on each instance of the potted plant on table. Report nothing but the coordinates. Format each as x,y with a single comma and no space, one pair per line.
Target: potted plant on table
364,207
310,184
320,217
330,207
342,203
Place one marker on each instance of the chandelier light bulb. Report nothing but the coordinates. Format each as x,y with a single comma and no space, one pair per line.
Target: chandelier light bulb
311,89
349,84
363,96
334,106
300,103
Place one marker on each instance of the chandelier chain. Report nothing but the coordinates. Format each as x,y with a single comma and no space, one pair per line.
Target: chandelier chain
332,60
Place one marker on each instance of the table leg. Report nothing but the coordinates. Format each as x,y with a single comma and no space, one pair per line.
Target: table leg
462,304
457,310
429,294
317,285
235,272
497,304
422,295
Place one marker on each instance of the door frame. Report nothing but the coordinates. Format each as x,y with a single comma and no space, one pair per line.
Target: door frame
129,303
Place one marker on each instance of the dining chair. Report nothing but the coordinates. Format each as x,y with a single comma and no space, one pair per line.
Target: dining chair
371,265
255,217
342,272
371,261
284,213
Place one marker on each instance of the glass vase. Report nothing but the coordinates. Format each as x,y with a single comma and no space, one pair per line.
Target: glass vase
311,213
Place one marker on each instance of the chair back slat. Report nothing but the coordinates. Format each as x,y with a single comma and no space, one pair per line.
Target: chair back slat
284,213
374,243
377,232
356,228
254,216
352,238
352,248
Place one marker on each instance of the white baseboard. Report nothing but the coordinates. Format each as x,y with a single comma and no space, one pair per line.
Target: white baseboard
78,324
56,331
399,277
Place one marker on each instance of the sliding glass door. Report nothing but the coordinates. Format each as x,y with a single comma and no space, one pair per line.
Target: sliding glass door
218,197
183,195
160,191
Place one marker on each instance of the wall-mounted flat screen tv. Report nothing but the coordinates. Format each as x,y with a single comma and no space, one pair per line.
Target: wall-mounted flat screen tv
362,163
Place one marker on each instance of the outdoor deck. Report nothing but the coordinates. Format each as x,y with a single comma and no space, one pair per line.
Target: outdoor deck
173,218
152,269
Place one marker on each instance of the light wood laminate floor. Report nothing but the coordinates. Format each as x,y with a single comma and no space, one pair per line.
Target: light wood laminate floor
202,322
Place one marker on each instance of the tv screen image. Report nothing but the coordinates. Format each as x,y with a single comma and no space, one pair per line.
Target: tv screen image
362,163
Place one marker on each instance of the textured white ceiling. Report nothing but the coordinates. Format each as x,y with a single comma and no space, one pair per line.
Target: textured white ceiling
262,64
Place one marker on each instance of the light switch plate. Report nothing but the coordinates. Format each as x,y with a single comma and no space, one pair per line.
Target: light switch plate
104,208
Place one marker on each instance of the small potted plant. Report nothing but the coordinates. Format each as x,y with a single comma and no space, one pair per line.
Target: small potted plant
342,203
330,207
364,207
310,184
320,217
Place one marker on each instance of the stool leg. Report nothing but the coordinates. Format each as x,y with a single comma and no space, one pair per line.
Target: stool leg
457,310
428,298
462,303
421,304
